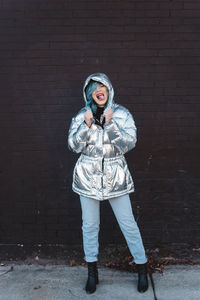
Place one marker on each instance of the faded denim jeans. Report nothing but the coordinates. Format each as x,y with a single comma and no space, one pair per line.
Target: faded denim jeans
122,209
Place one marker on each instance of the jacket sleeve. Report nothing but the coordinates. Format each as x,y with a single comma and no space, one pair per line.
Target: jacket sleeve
123,133
78,134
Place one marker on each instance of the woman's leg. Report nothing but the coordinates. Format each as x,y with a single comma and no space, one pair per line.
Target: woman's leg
123,212
90,227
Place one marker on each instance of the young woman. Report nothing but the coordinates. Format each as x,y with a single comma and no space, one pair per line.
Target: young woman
103,131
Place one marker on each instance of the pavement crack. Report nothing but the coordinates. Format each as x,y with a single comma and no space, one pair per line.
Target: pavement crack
10,270
153,285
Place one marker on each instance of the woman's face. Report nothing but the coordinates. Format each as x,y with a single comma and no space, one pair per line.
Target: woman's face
100,95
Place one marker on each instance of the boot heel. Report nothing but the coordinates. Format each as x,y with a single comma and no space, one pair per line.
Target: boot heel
97,279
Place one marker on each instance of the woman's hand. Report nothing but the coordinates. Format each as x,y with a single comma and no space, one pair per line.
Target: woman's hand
88,117
108,113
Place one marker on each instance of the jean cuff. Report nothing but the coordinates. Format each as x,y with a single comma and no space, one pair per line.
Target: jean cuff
90,259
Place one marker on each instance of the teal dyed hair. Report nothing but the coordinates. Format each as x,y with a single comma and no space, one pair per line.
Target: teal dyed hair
90,102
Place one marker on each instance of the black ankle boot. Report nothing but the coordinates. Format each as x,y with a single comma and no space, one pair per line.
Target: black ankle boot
142,277
92,277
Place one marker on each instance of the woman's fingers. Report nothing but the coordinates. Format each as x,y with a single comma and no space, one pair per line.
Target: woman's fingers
108,113
88,117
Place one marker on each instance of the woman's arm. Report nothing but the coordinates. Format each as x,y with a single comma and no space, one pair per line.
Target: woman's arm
122,133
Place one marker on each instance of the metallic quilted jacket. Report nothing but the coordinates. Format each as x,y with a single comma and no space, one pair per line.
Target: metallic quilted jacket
101,171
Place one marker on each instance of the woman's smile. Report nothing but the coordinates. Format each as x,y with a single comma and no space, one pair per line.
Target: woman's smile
100,96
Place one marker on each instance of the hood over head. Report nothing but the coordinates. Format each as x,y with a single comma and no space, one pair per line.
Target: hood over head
102,78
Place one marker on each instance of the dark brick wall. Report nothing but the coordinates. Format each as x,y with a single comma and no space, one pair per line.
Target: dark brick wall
150,51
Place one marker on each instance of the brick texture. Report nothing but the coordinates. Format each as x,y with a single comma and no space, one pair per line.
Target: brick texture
151,52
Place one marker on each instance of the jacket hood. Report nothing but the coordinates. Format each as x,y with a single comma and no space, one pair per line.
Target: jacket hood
103,78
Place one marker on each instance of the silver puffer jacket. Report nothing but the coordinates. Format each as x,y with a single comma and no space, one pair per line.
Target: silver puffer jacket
101,171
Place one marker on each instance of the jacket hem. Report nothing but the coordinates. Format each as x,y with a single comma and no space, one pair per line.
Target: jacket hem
113,195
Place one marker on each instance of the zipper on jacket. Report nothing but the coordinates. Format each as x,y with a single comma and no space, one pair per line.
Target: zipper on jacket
102,164
102,174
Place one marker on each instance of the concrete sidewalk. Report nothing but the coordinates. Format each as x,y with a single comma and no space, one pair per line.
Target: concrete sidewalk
60,282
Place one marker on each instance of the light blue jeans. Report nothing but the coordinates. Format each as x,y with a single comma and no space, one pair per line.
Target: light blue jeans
122,209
